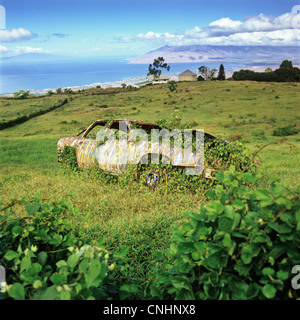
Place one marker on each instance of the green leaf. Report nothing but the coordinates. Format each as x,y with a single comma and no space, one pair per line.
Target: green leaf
72,260
92,275
58,279
262,195
32,208
129,288
10,255
214,207
297,215
268,271
65,295
164,278
238,204
252,291
42,258
269,291
25,263
280,228
180,282
249,177
225,224
277,251
200,247
186,247
196,256
227,240
61,263
17,231
17,292
172,251
49,294
216,260
247,254
282,275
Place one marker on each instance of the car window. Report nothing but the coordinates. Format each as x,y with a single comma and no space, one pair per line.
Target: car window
93,133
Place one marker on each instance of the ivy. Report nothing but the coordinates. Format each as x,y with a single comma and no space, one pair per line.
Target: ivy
48,257
242,244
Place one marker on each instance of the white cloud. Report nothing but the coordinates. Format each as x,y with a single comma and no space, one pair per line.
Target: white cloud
3,49
255,30
27,49
16,35
226,23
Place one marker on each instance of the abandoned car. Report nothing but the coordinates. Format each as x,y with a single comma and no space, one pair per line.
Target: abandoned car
95,149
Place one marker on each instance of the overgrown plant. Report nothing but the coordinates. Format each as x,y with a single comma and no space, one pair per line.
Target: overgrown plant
242,244
48,256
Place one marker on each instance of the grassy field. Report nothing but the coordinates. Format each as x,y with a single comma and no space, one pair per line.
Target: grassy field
135,216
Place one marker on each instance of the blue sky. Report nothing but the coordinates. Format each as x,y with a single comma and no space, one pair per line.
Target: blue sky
130,27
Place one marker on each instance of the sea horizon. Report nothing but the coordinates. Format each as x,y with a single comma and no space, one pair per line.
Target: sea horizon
39,77
42,76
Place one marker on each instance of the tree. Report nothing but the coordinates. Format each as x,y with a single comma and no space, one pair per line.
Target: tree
172,86
207,73
221,74
58,91
286,64
21,94
268,70
157,66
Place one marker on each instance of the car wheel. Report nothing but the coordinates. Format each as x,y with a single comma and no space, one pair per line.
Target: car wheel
152,179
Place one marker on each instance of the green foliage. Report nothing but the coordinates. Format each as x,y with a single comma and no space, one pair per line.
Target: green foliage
157,66
47,256
285,131
68,156
286,64
221,73
22,94
241,245
172,86
207,73
24,118
285,73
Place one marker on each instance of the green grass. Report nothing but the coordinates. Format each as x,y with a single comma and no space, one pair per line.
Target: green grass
11,108
134,216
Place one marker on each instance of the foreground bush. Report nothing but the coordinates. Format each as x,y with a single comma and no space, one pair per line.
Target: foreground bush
242,244
47,257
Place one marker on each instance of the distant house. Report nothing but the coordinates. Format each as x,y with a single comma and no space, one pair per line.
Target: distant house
161,79
153,80
187,76
142,84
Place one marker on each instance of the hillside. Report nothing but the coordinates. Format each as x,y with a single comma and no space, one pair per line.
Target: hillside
133,221
245,55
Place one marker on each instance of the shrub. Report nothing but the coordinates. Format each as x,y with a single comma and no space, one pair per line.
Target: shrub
68,156
47,256
24,118
172,86
285,131
22,94
242,244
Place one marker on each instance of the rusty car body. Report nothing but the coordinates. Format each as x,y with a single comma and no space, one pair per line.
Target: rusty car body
113,156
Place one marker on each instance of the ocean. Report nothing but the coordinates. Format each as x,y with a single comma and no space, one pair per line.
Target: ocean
41,76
